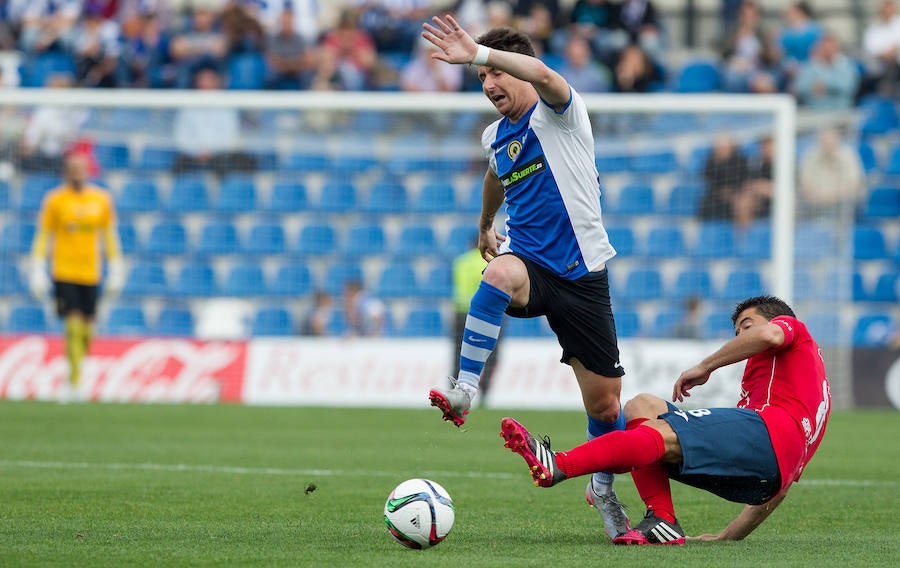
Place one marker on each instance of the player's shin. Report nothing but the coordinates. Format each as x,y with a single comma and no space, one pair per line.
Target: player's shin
481,333
652,483
616,452
603,480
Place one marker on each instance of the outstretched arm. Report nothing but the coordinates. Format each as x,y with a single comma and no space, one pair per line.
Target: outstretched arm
455,45
750,517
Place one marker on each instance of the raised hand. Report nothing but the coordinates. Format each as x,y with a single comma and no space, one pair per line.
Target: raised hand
688,380
455,45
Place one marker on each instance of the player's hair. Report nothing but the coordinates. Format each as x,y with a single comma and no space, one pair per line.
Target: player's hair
767,306
507,39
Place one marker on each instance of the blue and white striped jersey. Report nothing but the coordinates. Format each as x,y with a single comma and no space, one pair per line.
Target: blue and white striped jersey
545,162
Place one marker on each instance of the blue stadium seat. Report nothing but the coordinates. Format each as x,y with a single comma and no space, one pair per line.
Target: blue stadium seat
460,238
859,291
189,195
635,199
128,241
34,188
656,161
415,241
167,238
526,327
806,286
386,197
367,239
471,202
693,283
756,241
146,279
337,197
628,323
237,195
138,196
867,156
126,320
288,197
317,240
292,280
825,328
306,162
814,241
27,318
265,238
218,238
246,71
664,242
717,325
873,330
178,322
869,243
17,237
883,201
892,168
266,160
879,116
886,288
244,281
741,284
112,156
273,322
622,239
715,240
698,77
37,69
612,163
397,280
684,199
424,322
5,202
157,159
11,283
196,280
666,321
697,160
436,197
642,284
338,274
350,164
438,283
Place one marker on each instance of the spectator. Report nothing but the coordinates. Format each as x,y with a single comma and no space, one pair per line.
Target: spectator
640,20
393,25
598,21
47,25
289,57
751,58
635,72
347,57
365,315
579,68
689,326
50,132
242,32
538,20
831,178
725,172
881,44
426,74
207,138
146,62
755,198
96,49
829,80
201,45
318,322
305,18
798,37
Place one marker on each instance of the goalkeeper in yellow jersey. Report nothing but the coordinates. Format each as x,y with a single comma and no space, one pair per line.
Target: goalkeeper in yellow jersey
77,219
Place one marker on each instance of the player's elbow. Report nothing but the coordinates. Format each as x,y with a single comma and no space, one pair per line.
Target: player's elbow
772,335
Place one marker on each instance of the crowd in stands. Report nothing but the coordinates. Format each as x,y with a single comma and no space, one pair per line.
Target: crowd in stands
603,45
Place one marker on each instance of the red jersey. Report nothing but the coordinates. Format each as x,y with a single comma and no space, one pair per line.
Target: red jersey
788,388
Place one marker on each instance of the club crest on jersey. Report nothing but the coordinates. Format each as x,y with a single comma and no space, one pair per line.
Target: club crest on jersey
513,150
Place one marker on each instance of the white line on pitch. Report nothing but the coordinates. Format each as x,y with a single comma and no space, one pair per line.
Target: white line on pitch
237,470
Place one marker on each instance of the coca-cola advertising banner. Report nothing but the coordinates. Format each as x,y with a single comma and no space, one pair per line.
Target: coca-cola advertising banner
335,371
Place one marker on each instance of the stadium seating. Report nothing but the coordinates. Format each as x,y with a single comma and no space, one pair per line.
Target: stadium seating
461,238
698,77
11,283
4,196
814,241
628,323
883,201
423,322
218,238
265,239
742,283
244,281
112,156
635,199
154,158
397,280
17,237
714,240
666,321
128,240
825,327
684,199
664,242
892,168
146,278
526,327
37,69
175,322
438,283
34,187
640,285
435,197
873,330
867,156
756,242
337,197
292,280
338,274
386,197
137,196
246,71
717,325
317,240
366,239
623,240
126,320
27,318
273,322
868,243
196,280
189,195
237,195
167,238
885,289
415,241
693,283
287,197
657,161
305,162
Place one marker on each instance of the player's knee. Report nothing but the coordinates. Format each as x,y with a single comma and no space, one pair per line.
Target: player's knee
644,406
605,408
506,273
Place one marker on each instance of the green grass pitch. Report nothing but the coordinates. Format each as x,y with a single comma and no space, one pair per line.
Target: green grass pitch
159,485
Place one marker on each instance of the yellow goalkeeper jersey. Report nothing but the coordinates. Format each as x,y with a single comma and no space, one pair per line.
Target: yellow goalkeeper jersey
75,222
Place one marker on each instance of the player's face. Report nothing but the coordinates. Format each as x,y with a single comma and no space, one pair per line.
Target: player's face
507,93
747,319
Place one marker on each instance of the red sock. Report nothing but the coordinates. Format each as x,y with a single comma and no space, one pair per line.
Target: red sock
652,483
634,423
616,452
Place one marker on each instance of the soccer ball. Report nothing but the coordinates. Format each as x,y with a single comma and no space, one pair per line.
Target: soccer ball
419,513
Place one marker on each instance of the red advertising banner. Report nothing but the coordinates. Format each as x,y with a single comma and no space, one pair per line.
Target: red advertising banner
125,370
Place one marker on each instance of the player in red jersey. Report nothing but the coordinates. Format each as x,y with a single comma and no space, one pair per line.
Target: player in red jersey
749,454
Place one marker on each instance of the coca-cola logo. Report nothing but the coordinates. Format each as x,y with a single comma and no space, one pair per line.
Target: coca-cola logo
155,370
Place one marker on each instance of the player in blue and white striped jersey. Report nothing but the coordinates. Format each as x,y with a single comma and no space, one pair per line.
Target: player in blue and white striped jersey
552,258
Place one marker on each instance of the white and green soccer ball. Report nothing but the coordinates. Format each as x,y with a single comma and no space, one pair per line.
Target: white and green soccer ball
419,513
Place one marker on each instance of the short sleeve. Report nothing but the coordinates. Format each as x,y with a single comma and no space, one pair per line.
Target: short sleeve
788,325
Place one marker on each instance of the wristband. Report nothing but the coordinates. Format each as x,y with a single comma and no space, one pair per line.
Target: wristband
481,56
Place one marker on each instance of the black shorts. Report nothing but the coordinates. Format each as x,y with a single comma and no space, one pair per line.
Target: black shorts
579,312
72,297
